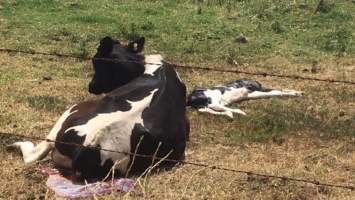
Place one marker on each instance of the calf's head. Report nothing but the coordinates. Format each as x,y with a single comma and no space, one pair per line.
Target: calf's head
198,99
116,64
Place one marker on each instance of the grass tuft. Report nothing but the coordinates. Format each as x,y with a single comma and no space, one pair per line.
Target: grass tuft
276,27
338,41
48,103
324,7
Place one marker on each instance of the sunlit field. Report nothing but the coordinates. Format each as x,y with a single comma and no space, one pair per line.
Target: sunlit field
312,137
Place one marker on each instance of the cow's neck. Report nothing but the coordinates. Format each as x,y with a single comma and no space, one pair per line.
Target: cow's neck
152,63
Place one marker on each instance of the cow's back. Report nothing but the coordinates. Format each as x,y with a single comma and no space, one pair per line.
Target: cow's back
164,129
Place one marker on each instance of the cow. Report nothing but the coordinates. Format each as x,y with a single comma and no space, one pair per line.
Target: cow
142,112
216,99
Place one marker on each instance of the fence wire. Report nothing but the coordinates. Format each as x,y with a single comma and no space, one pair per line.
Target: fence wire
223,70
187,162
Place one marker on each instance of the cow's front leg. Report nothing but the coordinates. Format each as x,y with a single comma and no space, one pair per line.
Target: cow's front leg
222,108
211,111
236,110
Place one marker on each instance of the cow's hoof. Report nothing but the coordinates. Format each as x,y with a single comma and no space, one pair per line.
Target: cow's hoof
294,93
229,114
299,93
239,112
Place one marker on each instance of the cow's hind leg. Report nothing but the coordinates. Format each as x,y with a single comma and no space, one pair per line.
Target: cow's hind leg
273,93
31,153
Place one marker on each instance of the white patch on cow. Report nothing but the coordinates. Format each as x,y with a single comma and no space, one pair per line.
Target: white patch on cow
113,131
153,62
232,95
215,96
31,153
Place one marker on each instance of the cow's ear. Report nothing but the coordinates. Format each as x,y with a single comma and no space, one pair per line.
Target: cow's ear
137,45
106,45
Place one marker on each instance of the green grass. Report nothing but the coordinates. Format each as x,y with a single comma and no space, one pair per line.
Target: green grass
191,30
48,103
274,120
310,137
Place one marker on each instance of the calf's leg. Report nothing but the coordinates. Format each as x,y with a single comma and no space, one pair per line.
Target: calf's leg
211,111
273,93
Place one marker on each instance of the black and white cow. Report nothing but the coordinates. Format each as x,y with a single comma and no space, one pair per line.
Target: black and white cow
143,111
215,100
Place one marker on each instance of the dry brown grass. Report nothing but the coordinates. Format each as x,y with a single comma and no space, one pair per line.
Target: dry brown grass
298,152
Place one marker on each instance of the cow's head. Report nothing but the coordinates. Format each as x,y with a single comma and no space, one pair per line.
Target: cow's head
116,64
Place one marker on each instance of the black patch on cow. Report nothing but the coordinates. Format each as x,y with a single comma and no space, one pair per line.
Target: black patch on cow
87,162
198,99
187,128
68,142
115,64
113,104
60,160
160,125
146,147
141,88
223,89
249,84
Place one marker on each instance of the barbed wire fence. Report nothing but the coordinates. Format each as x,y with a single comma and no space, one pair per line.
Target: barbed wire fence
264,74
187,162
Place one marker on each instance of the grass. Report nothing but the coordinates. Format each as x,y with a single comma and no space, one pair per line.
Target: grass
310,137
271,121
48,103
187,29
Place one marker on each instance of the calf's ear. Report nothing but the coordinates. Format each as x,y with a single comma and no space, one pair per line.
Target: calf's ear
137,45
106,45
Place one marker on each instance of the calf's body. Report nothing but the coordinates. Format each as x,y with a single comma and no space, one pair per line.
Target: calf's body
216,99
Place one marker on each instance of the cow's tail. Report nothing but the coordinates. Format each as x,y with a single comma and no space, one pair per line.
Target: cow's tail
31,153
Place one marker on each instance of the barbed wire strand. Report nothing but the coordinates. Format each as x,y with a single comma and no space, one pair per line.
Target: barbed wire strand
223,70
249,173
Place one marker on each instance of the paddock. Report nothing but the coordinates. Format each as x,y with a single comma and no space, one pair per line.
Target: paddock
308,138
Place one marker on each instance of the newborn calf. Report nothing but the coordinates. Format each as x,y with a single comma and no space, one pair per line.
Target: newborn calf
215,100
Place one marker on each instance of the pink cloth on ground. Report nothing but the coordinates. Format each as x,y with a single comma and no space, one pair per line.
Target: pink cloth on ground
65,188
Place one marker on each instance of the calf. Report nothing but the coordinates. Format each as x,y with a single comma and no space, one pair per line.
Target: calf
142,112
216,99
